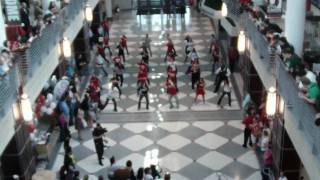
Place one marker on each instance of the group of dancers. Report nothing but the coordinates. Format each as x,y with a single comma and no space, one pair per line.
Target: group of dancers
198,83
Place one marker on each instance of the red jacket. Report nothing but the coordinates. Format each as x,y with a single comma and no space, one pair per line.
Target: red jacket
123,41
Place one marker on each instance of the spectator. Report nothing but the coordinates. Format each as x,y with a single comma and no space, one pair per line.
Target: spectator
247,121
140,174
24,15
293,62
264,141
38,11
312,95
154,172
129,167
76,175
282,176
147,174
113,168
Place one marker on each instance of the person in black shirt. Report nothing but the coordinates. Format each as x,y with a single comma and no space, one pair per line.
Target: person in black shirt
98,133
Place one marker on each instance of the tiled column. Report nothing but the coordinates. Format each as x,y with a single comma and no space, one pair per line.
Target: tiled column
295,24
20,152
285,156
2,28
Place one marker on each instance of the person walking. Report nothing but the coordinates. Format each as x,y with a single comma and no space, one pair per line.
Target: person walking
172,91
195,73
226,91
98,133
118,70
200,90
143,90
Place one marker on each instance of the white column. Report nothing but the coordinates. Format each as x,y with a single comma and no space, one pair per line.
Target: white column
3,35
108,8
295,24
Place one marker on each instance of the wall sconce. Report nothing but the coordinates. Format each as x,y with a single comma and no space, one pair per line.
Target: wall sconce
65,47
271,104
241,42
88,13
224,9
23,109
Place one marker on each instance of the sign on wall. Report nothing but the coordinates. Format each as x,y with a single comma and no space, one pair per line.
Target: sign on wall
12,10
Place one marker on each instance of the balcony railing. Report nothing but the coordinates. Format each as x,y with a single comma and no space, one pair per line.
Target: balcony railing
37,52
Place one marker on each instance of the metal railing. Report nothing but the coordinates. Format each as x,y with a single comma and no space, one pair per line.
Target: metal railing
38,50
304,112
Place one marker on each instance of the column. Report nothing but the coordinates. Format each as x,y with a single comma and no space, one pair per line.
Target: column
3,35
295,23
109,8
20,151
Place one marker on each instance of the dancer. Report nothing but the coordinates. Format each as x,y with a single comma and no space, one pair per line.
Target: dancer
99,66
188,47
115,84
226,91
119,69
101,51
106,44
170,49
172,91
98,133
194,69
123,42
142,91
200,90
147,44
121,52
111,95
222,74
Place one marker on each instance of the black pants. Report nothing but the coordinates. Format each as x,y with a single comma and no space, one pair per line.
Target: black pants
195,77
218,83
120,77
117,86
123,56
147,100
114,103
222,95
247,136
99,151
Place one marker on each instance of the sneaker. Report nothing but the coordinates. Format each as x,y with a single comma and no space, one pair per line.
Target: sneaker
244,146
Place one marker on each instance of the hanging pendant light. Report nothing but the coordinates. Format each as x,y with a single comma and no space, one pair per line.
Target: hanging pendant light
271,103
88,13
224,9
241,42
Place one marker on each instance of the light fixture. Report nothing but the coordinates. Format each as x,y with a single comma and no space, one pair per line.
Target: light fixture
281,105
26,109
224,9
66,47
241,42
88,13
271,104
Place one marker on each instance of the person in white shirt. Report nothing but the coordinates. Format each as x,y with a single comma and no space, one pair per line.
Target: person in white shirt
282,176
111,94
264,141
226,91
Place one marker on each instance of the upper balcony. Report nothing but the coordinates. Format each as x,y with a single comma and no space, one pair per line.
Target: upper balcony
34,65
299,115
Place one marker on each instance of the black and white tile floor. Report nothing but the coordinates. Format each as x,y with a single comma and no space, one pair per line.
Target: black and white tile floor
195,143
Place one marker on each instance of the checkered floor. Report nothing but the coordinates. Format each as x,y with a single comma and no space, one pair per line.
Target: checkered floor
191,147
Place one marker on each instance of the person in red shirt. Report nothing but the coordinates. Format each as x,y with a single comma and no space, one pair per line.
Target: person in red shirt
123,42
247,121
172,91
172,73
170,49
200,90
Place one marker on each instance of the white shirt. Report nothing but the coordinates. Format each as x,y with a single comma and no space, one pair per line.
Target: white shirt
148,177
264,143
283,178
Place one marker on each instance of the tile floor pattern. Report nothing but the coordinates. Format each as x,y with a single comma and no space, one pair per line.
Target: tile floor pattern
190,150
